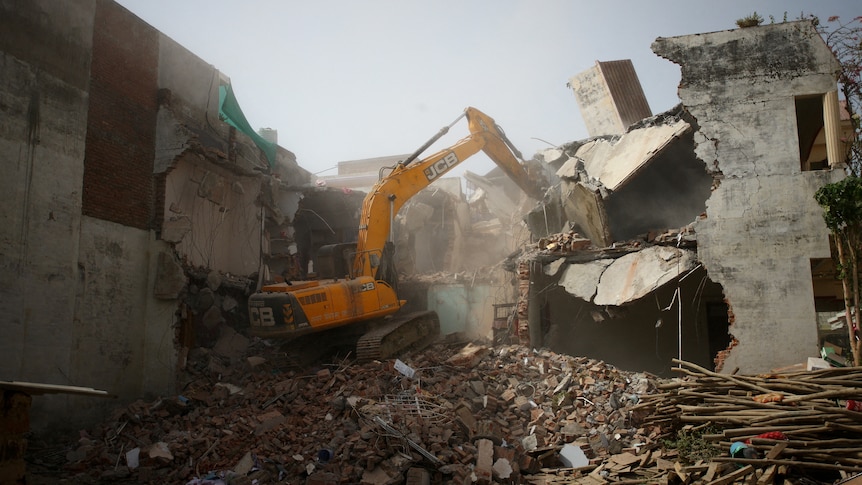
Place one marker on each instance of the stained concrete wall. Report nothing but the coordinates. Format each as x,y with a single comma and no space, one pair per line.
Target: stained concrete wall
84,299
763,225
122,336
45,59
76,305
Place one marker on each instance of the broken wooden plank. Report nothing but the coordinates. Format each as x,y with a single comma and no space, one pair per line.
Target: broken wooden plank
768,475
733,476
776,450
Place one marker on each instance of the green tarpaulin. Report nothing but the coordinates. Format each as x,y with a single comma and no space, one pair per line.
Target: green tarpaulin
232,114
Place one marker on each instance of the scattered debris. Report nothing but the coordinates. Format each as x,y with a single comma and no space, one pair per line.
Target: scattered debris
471,413
467,410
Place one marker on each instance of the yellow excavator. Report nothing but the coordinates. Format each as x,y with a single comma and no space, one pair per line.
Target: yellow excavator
362,300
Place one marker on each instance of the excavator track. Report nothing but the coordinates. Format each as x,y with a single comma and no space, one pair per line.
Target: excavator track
398,334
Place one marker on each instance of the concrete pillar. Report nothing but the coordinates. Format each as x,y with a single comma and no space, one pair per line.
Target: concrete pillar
534,311
832,129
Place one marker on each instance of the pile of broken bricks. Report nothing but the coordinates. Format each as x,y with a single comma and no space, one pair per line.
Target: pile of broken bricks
457,412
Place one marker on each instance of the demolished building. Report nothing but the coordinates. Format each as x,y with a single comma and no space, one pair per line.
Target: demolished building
628,256
141,208
700,225
756,132
136,197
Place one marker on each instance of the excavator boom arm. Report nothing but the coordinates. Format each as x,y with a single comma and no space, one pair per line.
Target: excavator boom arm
408,178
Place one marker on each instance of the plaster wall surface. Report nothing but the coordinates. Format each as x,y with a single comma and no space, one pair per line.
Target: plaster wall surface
76,291
463,308
763,225
44,58
223,217
123,337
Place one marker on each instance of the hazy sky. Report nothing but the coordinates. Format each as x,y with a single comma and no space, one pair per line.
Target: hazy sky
352,79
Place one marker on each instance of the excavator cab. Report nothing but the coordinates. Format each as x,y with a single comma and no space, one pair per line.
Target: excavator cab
335,261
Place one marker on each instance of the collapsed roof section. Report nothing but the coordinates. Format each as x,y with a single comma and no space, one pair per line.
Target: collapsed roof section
628,278
614,188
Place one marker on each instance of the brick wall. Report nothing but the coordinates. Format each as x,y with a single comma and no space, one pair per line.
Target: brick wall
121,123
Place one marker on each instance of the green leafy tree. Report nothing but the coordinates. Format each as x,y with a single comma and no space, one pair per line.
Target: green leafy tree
842,212
842,201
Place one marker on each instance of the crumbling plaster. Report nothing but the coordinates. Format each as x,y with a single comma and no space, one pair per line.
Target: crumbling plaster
214,176
763,225
85,301
224,220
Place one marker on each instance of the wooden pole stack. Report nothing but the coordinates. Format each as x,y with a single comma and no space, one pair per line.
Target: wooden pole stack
810,408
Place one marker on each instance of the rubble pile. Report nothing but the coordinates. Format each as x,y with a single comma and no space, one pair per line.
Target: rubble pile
565,242
452,413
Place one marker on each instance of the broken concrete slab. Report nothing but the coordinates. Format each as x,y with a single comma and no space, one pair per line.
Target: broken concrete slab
231,344
583,204
161,451
553,267
582,280
170,277
614,188
635,275
614,161
573,456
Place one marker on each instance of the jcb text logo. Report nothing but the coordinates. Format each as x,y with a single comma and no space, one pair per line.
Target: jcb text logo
441,166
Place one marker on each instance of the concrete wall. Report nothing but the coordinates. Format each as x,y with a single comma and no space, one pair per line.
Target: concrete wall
45,60
105,125
763,225
122,336
463,308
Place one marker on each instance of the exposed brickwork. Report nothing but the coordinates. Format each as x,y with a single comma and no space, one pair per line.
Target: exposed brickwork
121,124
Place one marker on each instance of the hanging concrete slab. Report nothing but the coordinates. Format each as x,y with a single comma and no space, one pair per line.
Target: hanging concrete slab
614,161
583,204
636,275
581,280
615,188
